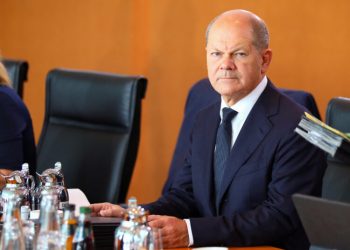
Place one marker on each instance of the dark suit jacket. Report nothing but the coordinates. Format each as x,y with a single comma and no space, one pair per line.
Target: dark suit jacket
16,132
200,96
268,163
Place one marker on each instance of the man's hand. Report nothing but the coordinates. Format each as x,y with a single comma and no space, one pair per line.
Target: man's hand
106,210
173,230
2,180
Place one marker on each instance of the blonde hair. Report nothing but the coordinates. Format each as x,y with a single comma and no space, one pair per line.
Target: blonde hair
4,77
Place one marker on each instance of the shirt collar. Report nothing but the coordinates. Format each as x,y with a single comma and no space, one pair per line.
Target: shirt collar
246,103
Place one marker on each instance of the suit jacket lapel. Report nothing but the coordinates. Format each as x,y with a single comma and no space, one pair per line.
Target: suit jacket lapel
208,122
254,130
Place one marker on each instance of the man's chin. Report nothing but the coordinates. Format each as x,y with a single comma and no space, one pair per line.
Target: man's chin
227,92
229,89
228,83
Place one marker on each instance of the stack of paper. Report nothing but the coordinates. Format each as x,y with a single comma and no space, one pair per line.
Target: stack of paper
78,198
330,140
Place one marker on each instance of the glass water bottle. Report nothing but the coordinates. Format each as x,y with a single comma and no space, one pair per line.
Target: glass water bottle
12,235
84,236
69,225
49,237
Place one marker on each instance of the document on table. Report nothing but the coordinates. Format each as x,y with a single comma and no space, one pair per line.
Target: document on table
77,197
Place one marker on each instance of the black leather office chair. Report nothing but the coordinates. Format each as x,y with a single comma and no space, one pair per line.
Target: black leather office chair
17,70
92,126
336,181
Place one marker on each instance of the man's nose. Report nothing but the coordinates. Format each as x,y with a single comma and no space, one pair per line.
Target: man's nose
227,63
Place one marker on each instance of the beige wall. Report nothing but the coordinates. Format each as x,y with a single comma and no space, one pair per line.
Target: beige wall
164,41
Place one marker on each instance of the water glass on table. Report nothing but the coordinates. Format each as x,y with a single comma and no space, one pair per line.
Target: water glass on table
155,239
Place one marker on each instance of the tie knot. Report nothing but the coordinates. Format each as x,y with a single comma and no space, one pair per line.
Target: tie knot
228,114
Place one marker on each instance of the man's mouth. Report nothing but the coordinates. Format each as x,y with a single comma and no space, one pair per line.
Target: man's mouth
227,78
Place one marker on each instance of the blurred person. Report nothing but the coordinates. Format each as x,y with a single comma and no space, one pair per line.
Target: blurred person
16,131
245,160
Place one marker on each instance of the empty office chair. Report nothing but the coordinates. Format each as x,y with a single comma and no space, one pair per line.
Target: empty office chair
92,126
17,70
336,181
202,95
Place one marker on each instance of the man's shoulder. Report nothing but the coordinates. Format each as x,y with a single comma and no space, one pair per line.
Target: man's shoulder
279,110
281,101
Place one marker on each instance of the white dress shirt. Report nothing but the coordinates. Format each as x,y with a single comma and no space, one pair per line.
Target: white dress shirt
243,107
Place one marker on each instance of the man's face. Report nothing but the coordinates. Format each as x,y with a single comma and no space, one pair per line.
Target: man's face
235,65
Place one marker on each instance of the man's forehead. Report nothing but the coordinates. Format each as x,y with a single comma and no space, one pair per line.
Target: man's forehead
229,35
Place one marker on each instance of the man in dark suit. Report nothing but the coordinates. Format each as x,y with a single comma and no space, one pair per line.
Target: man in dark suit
245,161
200,96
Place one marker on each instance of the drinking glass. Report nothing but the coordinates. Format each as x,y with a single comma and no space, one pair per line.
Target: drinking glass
155,239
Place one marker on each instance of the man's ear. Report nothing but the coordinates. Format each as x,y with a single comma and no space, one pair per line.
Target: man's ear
266,60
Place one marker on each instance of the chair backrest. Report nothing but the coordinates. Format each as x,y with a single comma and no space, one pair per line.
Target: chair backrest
92,126
17,70
202,95
336,181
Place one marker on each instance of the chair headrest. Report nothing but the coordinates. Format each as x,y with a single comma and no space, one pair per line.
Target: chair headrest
338,114
73,95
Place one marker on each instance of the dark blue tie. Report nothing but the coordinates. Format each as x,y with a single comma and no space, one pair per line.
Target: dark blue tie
223,146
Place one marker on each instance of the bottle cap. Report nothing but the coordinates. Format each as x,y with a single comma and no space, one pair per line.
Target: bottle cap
134,212
85,210
132,202
25,166
58,166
